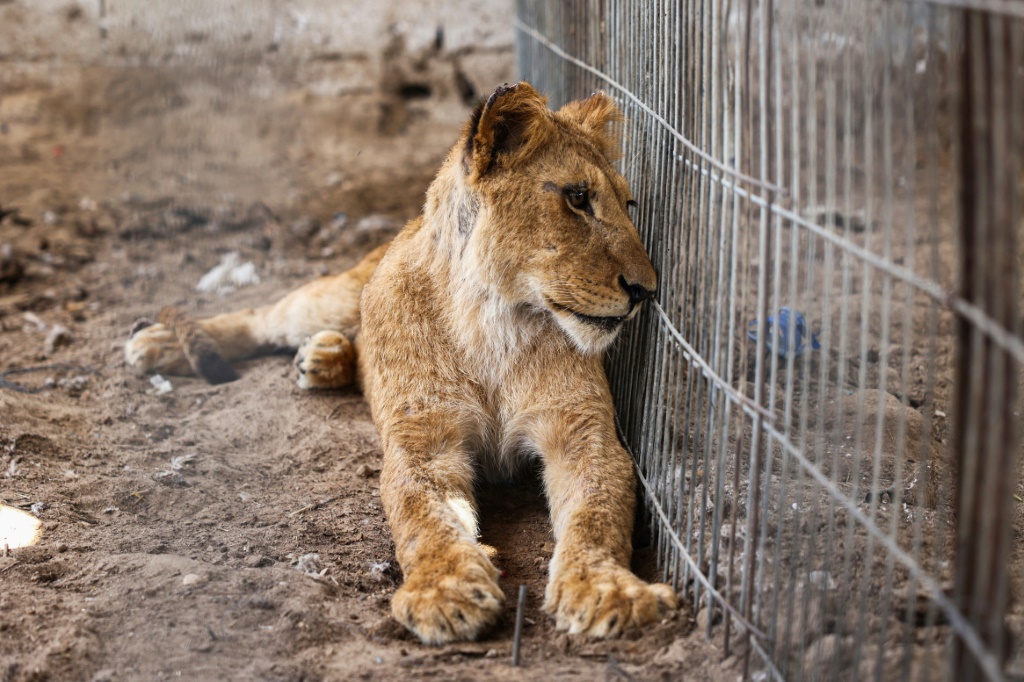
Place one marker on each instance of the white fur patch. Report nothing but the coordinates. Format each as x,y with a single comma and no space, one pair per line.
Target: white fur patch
465,514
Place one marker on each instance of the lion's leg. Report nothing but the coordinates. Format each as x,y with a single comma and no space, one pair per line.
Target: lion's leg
451,588
327,303
590,487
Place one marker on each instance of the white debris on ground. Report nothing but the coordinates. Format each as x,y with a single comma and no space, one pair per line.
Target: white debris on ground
822,580
171,478
58,336
160,385
311,566
181,461
231,274
75,384
378,568
35,320
377,221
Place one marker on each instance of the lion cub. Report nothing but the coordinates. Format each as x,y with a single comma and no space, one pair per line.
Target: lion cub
479,339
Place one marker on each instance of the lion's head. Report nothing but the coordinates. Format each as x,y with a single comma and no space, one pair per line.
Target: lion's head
553,229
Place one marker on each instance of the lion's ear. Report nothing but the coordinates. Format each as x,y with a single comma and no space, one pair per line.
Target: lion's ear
600,116
513,122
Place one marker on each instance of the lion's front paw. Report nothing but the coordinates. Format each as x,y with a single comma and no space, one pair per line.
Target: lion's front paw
604,600
456,606
326,360
155,348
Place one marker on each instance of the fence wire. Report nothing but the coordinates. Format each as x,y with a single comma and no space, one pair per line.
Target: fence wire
822,400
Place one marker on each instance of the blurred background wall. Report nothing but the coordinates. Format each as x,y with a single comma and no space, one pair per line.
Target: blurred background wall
249,98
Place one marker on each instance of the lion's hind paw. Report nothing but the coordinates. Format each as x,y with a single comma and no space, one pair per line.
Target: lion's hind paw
326,360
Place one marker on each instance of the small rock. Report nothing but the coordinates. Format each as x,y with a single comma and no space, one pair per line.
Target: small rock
702,618
818,659
261,603
192,579
893,381
727,535
365,471
814,613
304,228
257,561
674,653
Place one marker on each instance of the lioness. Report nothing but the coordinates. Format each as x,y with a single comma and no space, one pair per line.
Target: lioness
479,337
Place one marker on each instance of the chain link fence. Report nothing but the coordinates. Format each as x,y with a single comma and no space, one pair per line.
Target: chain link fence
822,399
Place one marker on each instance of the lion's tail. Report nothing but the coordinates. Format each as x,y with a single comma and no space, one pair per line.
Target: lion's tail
199,348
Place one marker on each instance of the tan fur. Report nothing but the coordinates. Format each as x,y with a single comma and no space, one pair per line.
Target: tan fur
479,349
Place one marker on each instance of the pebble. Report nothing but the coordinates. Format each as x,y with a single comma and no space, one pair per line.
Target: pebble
820,654
704,614
192,579
257,561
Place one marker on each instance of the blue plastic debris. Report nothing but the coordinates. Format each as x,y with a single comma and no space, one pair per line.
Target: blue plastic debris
779,327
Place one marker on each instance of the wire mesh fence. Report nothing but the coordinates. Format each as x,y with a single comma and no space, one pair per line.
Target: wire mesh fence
821,401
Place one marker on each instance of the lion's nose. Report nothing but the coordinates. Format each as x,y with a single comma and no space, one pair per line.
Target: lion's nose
637,293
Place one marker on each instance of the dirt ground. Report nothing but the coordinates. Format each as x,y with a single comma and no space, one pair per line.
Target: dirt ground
236,531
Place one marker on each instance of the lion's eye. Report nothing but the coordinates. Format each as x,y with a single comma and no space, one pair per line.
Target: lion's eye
578,197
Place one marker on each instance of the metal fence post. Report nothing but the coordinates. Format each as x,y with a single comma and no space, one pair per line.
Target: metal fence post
984,441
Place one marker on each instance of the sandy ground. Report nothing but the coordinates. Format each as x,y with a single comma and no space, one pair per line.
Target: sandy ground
236,532
230,532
